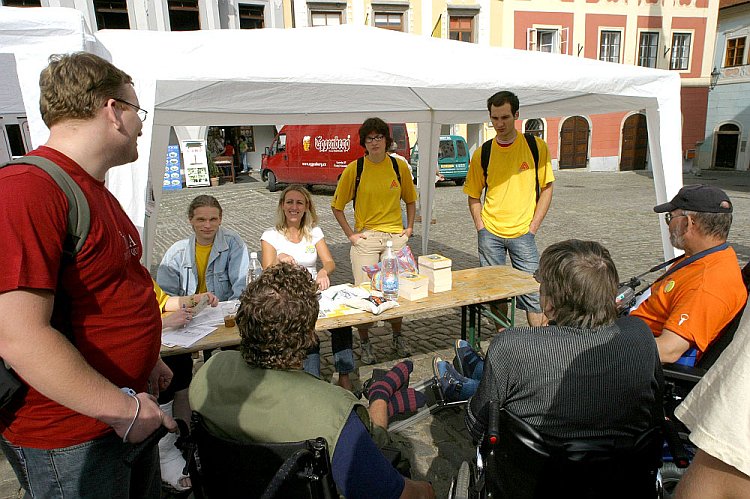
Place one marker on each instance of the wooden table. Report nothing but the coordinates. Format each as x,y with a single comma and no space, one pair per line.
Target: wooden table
471,288
226,163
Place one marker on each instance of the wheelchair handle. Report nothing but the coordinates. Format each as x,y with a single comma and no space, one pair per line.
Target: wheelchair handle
135,451
493,424
680,455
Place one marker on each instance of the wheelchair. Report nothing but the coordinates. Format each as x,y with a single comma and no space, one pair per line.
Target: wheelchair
679,379
223,468
515,461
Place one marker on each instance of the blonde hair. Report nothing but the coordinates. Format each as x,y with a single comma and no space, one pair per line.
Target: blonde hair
309,219
75,86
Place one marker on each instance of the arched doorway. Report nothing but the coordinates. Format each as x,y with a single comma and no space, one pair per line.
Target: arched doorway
535,126
634,143
727,138
574,143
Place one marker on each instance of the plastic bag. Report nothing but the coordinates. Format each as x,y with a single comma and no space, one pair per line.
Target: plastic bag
406,263
374,304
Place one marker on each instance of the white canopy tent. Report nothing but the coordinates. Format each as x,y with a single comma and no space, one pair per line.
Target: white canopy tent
340,75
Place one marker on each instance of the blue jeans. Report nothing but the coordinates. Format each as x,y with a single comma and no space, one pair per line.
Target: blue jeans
524,256
93,469
343,358
469,386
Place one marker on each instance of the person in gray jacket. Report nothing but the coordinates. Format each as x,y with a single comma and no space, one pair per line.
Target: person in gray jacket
214,259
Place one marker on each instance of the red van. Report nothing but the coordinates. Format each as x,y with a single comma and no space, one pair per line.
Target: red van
317,154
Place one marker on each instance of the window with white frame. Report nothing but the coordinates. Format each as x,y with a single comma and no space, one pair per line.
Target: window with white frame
680,58
648,49
553,40
325,18
534,126
735,55
388,20
609,46
184,15
251,16
461,28
21,3
111,14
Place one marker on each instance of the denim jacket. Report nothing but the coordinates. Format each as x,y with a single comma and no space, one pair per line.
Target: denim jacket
226,272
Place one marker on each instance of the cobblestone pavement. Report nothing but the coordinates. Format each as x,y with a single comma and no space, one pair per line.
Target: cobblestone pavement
612,208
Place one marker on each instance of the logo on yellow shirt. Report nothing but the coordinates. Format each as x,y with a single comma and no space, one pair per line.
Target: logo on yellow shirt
524,167
394,184
669,287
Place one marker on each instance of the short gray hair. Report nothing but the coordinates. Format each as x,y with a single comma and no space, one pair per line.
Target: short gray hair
712,224
580,281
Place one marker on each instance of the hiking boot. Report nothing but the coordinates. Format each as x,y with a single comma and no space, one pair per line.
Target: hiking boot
448,379
467,359
368,355
401,346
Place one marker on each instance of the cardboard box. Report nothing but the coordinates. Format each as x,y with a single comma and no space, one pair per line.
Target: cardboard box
413,286
440,279
434,261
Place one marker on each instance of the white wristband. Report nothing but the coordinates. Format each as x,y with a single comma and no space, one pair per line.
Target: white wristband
131,392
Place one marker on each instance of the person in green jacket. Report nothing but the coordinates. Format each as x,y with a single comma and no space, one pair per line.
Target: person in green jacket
260,393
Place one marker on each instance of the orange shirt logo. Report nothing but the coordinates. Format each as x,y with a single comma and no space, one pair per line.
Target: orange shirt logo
669,287
394,184
524,167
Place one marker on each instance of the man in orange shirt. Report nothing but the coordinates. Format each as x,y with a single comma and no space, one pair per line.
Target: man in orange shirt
692,302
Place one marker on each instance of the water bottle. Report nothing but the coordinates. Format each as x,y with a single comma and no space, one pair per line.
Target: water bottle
254,271
390,273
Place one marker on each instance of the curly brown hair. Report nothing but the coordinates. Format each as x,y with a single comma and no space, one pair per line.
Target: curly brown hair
277,317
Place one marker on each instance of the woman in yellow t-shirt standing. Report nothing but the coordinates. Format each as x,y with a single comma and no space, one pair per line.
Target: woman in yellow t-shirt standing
376,198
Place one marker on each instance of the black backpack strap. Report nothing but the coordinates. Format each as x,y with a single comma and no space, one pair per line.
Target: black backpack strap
395,169
360,166
531,141
79,216
485,160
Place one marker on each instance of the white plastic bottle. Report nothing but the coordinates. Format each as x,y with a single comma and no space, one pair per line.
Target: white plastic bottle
390,273
255,269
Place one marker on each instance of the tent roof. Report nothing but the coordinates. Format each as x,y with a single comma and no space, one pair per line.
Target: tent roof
399,76
337,74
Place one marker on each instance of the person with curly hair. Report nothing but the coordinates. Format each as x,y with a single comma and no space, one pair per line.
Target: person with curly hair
261,394
297,239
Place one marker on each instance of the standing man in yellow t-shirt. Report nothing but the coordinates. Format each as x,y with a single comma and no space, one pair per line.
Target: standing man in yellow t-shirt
509,218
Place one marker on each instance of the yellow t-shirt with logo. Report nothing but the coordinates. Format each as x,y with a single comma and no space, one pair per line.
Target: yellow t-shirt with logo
201,262
379,194
511,198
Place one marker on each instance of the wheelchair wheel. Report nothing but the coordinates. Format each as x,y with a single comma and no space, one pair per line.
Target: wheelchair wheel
462,483
670,476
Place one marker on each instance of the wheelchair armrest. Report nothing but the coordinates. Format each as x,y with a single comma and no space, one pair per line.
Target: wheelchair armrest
683,373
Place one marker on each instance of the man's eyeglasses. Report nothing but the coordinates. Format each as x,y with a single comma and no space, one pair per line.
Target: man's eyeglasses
376,138
142,113
668,217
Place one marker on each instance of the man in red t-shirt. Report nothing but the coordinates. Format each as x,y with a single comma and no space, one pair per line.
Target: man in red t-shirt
86,397
690,305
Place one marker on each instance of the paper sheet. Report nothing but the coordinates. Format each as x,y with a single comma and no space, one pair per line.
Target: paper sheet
201,326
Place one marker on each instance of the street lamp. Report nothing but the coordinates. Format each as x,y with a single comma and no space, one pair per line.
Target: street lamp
714,78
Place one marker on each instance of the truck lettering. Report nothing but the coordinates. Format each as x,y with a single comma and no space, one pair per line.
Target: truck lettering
335,144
